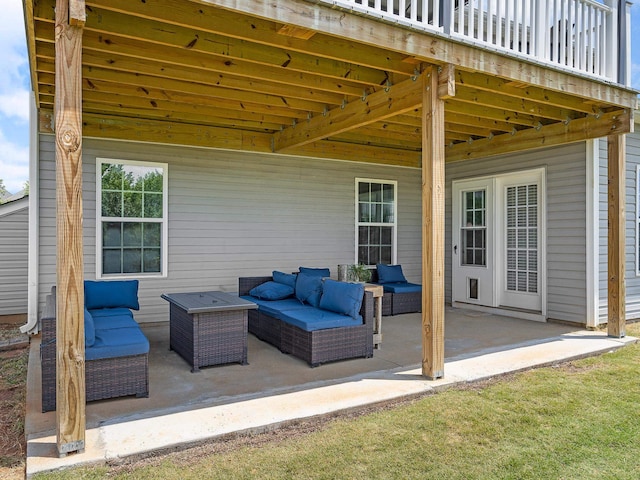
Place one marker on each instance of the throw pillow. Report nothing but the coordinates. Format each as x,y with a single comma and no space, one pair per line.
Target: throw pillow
271,291
89,329
321,272
309,289
285,278
111,294
390,274
342,297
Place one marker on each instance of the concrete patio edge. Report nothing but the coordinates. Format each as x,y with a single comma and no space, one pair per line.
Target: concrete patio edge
135,435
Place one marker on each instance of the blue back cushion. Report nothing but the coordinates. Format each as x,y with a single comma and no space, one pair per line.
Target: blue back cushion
342,297
89,329
271,291
284,278
320,272
390,273
111,294
309,289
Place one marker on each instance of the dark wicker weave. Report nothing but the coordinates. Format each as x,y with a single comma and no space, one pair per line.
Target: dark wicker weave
209,338
318,346
104,378
397,303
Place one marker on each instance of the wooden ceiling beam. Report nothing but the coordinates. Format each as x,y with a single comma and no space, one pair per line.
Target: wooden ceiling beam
520,105
235,24
542,96
429,48
158,77
380,105
618,122
125,35
490,113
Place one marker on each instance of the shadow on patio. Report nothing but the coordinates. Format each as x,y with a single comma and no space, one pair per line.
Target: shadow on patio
185,407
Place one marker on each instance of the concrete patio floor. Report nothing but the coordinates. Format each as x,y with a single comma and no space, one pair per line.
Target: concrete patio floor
187,408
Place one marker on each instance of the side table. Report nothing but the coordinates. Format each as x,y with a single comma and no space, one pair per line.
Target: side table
378,292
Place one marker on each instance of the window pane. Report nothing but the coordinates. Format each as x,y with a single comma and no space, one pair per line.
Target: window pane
374,236
387,193
363,235
132,204
132,235
386,235
388,211
363,192
376,213
111,234
111,261
374,255
385,255
152,260
376,192
152,205
152,234
111,204
364,214
132,260
112,175
363,256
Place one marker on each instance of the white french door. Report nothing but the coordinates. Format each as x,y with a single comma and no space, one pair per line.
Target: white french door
498,249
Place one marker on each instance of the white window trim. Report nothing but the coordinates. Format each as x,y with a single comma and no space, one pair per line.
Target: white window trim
164,247
394,239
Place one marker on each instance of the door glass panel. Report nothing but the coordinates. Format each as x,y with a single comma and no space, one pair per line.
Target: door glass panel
522,254
473,234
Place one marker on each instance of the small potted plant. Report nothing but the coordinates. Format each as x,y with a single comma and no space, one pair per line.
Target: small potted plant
359,273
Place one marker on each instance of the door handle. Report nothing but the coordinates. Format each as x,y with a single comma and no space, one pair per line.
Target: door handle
455,249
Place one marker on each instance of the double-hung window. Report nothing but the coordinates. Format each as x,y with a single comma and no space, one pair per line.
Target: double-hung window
131,218
376,216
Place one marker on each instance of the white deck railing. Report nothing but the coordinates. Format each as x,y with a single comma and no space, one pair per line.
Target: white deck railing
581,35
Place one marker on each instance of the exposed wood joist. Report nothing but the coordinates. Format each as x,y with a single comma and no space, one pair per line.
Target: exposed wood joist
545,136
378,106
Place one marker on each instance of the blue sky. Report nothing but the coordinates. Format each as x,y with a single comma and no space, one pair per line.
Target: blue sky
15,87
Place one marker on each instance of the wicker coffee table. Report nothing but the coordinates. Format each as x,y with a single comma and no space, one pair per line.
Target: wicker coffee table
208,328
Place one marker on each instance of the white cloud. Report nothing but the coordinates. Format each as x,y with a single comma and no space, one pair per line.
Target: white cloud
14,97
14,164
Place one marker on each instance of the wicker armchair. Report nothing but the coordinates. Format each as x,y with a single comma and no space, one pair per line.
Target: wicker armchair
104,377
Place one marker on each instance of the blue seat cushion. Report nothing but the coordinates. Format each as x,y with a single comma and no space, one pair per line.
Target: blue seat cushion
390,273
402,287
111,294
309,289
118,342
285,278
89,329
274,307
106,318
271,291
342,297
320,272
309,318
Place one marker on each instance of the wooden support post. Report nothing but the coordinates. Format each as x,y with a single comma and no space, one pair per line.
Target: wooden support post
616,240
433,184
70,355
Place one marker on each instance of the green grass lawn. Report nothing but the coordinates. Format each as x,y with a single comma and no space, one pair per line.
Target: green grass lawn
580,420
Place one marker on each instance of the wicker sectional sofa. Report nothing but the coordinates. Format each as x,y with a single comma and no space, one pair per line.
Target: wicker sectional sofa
399,296
116,350
313,334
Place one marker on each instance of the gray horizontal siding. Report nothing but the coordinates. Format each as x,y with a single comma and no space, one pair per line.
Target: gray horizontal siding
14,261
235,214
566,221
632,280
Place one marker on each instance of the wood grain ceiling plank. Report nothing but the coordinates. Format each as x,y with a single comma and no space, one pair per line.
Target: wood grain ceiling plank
559,133
234,24
543,96
375,107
